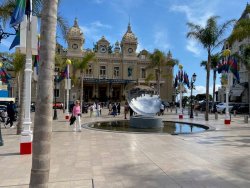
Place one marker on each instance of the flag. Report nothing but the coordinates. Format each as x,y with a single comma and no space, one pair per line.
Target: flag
28,8
35,72
219,67
63,74
4,76
233,66
16,40
176,81
18,14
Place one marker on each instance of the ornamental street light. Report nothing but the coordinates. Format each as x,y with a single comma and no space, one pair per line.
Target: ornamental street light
193,79
68,87
55,94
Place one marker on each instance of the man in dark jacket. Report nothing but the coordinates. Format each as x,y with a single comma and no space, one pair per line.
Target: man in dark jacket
11,113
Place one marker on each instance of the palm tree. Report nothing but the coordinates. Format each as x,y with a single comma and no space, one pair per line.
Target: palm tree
82,65
215,59
43,116
18,63
7,7
159,60
210,37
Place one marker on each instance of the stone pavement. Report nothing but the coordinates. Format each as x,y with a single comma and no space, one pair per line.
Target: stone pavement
100,159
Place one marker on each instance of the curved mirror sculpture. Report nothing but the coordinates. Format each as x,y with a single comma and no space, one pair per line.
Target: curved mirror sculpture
143,100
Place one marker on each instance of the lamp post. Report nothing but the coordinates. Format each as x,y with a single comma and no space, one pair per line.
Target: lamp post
26,134
55,92
193,79
227,120
67,87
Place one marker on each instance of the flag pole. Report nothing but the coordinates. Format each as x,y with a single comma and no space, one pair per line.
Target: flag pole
26,134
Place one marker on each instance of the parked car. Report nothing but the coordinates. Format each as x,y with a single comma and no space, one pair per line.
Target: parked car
221,107
243,109
58,105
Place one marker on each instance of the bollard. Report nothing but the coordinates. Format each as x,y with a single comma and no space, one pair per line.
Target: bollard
246,119
216,115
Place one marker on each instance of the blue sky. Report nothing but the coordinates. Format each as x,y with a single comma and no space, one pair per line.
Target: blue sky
156,23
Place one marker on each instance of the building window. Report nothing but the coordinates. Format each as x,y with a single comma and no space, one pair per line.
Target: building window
89,70
102,70
143,57
143,73
116,71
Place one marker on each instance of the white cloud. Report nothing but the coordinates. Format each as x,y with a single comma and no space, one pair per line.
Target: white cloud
94,30
193,47
160,40
98,24
196,12
202,89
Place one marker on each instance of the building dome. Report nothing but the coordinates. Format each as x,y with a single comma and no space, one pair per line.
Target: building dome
103,40
129,36
75,31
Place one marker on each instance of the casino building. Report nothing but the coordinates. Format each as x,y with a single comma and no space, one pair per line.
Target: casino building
115,68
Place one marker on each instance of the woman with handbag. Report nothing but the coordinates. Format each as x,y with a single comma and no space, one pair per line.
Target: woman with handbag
76,112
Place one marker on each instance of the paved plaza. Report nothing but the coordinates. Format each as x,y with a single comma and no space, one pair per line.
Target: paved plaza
102,159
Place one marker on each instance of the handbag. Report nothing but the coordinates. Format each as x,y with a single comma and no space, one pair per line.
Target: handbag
72,120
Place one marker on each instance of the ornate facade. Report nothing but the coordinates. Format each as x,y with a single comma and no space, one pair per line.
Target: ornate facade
114,69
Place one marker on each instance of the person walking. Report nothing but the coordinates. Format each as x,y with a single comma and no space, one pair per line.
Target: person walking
77,113
91,109
11,114
114,108
118,108
126,109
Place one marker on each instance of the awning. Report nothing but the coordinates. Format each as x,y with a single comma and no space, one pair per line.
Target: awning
236,93
237,90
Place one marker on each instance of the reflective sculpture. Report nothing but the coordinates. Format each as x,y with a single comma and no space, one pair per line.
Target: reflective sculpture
146,104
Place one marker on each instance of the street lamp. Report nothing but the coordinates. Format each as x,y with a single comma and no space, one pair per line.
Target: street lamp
55,92
193,79
68,87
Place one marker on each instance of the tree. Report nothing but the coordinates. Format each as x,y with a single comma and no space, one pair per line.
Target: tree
215,60
43,116
18,63
7,7
210,37
159,60
82,65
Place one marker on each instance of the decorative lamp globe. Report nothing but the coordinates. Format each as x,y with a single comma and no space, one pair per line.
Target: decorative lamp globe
68,61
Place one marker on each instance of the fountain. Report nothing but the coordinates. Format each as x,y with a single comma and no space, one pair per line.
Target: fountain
146,104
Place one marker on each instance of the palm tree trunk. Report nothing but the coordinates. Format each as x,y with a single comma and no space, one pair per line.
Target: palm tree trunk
81,92
43,118
21,103
207,84
214,82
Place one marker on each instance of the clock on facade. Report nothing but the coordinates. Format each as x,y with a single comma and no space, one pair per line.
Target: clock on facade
74,46
103,49
130,50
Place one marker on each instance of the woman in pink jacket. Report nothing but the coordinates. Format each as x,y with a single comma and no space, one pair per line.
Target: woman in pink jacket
77,113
